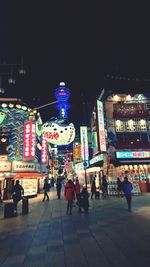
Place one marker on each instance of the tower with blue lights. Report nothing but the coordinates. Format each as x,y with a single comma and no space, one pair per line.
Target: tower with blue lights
62,94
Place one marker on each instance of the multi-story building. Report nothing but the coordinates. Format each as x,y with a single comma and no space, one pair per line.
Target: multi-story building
21,150
128,133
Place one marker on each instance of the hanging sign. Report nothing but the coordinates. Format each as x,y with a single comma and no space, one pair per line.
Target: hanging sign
58,134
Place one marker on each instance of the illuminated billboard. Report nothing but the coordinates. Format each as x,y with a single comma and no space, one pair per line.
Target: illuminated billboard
84,143
132,154
101,126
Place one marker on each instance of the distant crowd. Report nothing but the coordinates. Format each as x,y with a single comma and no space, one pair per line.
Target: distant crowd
75,194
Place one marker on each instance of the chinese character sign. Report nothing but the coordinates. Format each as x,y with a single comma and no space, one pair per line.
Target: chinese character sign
44,151
29,140
101,126
84,143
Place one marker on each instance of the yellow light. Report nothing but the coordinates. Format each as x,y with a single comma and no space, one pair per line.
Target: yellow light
116,97
3,140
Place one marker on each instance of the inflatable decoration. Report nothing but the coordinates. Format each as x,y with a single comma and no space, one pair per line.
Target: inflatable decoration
58,134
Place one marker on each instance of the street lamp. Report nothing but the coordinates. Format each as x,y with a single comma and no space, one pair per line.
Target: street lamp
4,71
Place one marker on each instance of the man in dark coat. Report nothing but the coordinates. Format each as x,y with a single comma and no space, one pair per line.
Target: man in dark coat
93,188
83,200
17,194
59,186
127,189
46,188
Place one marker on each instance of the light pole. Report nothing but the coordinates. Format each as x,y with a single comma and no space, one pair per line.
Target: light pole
43,106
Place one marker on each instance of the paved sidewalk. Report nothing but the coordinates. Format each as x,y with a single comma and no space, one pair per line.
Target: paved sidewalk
108,236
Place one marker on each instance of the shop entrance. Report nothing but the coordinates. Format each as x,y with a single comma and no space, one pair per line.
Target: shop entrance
9,183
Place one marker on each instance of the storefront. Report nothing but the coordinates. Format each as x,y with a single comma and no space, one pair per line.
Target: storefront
137,166
95,169
30,177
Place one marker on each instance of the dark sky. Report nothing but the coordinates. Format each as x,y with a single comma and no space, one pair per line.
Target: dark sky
79,43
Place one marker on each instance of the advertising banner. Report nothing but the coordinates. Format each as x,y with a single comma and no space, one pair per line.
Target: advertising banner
76,152
101,126
84,143
29,140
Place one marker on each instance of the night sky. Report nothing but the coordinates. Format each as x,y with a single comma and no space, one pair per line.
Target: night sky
87,45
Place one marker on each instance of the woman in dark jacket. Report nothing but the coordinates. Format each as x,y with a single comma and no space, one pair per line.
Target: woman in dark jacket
84,200
18,192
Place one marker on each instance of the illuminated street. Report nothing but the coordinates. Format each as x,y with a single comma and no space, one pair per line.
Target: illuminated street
107,236
74,134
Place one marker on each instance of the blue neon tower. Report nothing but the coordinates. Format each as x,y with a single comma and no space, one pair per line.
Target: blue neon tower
62,94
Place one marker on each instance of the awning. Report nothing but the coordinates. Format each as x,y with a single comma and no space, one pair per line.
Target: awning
97,164
93,169
31,175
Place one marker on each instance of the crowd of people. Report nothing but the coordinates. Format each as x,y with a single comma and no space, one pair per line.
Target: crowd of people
74,194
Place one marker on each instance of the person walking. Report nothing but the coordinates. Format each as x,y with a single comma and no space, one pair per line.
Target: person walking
104,187
46,188
119,187
127,189
93,188
69,196
77,188
84,200
17,194
59,186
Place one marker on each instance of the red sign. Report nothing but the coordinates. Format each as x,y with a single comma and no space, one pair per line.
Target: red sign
29,140
44,151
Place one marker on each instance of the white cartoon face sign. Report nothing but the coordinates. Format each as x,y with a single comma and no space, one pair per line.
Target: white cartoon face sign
57,134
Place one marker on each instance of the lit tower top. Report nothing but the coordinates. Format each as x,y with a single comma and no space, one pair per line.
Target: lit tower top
62,94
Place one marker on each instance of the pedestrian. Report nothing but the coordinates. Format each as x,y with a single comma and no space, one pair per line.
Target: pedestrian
104,187
69,195
127,189
17,194
83,200
93,188
77,188
119,187
59,186
52,182
46,188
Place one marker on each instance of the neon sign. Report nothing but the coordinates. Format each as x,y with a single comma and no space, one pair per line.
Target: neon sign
132,154
44,151
29,140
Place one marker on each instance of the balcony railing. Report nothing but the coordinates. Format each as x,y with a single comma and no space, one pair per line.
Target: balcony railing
117,114
132,145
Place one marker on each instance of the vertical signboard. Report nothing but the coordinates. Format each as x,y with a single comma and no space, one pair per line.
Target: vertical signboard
44,151
76,152
101,126
84,143
29,140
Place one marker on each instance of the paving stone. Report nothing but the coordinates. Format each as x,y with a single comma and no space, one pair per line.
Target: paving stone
108,236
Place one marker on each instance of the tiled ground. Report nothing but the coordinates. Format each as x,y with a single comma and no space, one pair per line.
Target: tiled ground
107,236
